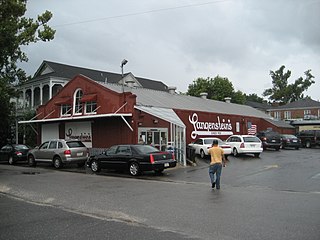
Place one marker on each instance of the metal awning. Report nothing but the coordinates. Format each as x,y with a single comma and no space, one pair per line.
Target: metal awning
166,114
122,115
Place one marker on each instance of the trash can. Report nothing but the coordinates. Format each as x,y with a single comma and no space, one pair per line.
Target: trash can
191,154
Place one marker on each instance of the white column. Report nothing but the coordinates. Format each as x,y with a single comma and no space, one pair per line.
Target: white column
50,90
32,96
41,93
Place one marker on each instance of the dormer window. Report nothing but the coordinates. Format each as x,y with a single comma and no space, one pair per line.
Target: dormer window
77,102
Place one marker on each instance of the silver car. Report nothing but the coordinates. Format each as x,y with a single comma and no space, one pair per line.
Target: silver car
59,152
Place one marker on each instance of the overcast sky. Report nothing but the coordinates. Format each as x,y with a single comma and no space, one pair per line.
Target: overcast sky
177,41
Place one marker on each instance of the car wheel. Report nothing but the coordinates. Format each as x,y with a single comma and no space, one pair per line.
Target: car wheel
10,160
159,171
57,163
257,155
308,144
235,152
134,169
202,155
95,166
31,161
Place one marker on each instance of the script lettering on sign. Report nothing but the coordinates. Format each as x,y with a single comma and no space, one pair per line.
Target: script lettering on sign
219,127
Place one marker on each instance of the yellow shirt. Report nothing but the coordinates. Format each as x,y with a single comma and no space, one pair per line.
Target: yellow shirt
216,154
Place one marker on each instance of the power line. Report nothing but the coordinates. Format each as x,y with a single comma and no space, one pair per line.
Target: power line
141,13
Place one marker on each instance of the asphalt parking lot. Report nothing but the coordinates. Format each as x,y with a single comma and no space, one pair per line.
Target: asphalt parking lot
276,196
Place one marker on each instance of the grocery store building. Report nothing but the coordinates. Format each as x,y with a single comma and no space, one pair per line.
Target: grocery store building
102,114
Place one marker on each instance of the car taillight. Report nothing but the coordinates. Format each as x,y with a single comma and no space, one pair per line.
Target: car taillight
288,140
264,139
67,152
151,158
18,153
242,145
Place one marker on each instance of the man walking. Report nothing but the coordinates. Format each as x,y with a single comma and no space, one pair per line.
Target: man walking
217,161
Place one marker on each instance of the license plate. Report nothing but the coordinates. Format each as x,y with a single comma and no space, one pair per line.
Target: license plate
166,164
253,145
80,154
294,141
273,141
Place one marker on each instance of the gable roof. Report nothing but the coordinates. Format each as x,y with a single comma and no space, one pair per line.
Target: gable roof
303,103
161,99
261,106
59,70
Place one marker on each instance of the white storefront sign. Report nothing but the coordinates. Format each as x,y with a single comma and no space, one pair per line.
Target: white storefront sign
214,128
80,131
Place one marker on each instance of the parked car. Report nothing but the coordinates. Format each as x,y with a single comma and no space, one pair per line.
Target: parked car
270,139
309,138
244,144
59,152
14,152
134,158
290,141
202,145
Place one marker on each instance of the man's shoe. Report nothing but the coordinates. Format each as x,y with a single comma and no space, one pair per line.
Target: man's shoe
213,185
218,187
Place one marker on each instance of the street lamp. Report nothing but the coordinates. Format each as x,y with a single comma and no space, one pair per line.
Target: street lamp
124,62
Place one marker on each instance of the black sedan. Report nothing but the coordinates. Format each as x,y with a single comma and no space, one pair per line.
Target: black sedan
132,158
12,153
290,141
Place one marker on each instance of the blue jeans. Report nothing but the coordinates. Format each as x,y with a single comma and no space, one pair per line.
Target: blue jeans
215,169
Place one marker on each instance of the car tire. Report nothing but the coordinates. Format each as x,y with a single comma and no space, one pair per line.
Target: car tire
134,168
95,166
159,171
31,161
202,155
57,163
10,160
256,155
235,152
308,144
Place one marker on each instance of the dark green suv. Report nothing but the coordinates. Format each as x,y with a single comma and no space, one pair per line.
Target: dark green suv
309,138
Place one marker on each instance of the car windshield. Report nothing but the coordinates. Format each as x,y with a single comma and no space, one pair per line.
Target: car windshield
75,144
251,139
210,140
145,149
21,147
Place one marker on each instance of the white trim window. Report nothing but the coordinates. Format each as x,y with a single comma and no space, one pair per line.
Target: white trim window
287,115
91,107
65,110
77,102
277,115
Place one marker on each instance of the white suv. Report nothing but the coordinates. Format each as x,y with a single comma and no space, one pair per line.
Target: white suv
243,144
202,145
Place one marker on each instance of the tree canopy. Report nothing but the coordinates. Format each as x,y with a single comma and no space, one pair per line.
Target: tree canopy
217,88
284,93
16,31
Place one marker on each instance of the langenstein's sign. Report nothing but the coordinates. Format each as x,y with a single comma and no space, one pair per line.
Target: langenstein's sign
219,127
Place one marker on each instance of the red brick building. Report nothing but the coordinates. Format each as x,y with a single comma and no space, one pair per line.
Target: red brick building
103,114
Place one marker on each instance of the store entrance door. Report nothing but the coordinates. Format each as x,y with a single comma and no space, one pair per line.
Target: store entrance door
157,137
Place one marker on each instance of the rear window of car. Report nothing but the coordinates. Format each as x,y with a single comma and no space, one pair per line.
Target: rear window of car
145,149
251,139
21,147
75,144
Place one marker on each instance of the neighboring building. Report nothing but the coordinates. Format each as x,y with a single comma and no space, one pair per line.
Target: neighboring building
260,106
51,77
102,114
305,109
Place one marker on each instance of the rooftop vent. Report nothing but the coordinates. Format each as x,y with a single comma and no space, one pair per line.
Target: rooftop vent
203,95
227,99
172,90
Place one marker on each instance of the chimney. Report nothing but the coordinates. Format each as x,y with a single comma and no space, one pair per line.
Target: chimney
172,90
130,83
203,95
227,99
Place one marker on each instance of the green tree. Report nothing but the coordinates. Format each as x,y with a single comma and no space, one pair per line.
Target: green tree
254,98
16,31
217,88
284,93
